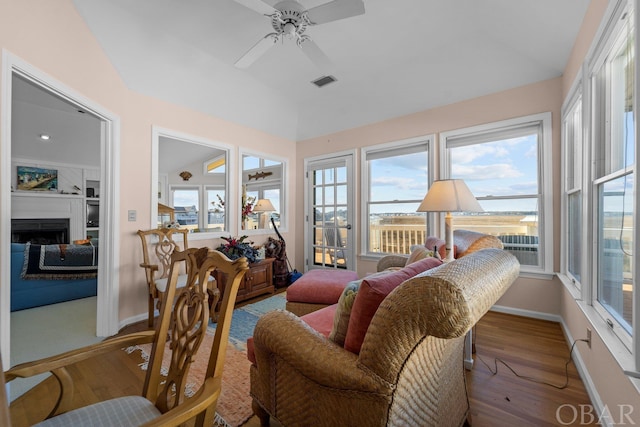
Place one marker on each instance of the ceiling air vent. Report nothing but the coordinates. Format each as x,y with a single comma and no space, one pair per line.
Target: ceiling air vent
323,81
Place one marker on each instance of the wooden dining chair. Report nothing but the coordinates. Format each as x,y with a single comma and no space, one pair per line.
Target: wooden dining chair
157,246
162,401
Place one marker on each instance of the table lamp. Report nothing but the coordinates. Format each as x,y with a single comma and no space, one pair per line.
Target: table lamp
449,195
263,206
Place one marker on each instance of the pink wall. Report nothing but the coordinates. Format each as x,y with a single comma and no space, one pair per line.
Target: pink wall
528,294
587,31
52,37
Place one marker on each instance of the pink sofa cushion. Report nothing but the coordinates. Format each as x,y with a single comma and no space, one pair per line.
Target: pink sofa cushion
320,286
320,320
371,293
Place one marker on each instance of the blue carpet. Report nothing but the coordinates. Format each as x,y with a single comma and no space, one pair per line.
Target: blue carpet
245,318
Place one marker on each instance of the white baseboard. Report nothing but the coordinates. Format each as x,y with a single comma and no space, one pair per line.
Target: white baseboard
526,313
577,357
134,319
586,378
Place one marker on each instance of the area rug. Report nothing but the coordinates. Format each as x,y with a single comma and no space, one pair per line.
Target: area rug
234,405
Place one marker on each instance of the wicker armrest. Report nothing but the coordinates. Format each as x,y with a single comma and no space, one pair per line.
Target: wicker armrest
320,360
391,261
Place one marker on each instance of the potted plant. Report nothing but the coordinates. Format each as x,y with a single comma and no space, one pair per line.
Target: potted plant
237,248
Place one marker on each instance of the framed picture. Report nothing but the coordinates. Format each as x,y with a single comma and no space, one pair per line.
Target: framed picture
37,179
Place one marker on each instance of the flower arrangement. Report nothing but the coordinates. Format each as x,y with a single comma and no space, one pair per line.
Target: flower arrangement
237,248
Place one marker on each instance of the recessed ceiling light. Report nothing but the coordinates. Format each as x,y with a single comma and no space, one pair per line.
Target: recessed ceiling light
45,137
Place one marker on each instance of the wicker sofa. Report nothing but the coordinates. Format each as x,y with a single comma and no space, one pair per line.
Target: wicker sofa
409,370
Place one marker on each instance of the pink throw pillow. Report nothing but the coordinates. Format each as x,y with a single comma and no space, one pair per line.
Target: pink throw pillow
371,293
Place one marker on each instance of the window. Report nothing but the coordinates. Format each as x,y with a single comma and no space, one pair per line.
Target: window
186,202
572,149
199,208
262,179
215,198
613,177
396,178
505,167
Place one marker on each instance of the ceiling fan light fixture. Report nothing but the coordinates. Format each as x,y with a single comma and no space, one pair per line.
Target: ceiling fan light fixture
290,19
324,80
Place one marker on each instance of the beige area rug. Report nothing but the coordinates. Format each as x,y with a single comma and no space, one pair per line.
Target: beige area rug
234,404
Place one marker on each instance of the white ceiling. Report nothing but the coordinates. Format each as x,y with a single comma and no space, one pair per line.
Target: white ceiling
400,57
75,134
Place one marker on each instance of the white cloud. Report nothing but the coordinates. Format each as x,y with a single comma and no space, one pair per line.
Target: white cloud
485,172
468,154
396,182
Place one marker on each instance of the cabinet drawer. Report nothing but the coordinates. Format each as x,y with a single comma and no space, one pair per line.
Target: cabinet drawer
258,274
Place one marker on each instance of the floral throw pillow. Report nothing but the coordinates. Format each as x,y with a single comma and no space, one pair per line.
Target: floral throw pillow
418,252
343,311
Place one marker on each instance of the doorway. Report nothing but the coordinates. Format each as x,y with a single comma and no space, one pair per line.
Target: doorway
14,72
330,194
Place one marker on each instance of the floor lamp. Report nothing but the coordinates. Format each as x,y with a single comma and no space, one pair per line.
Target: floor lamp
449,195
263,207
452,195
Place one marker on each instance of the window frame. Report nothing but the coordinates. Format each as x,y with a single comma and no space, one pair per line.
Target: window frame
265,161
545,268
626,352
404,144
599,85
568,113
186,187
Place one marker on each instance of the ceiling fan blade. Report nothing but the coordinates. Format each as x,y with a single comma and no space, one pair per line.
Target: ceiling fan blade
256,51
317,56
335,10
257,5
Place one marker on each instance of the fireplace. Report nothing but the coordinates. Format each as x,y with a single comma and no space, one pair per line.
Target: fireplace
43,231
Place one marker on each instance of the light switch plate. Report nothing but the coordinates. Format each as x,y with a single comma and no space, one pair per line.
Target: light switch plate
132,215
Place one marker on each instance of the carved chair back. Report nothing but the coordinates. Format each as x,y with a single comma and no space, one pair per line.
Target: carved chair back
157,246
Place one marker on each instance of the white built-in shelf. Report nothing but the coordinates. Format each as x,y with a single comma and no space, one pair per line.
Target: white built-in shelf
45,194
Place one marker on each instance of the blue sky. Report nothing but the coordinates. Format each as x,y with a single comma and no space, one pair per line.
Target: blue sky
502,168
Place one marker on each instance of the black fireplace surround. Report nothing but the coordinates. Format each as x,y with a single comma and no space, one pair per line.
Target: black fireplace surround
42,231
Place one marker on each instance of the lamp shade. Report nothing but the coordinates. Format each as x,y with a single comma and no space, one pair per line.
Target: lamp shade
264,205
449,195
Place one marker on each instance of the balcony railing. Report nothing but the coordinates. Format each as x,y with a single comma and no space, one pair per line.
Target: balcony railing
396,239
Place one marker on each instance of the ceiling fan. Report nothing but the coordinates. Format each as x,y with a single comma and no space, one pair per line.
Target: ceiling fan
290,19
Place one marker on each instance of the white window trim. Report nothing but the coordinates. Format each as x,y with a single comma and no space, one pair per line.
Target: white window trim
364,170
628,358
609,35
230,213
286,186
545,175
574,98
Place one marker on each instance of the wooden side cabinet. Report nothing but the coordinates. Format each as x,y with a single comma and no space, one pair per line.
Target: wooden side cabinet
257,281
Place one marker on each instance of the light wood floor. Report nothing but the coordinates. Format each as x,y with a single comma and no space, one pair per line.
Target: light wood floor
532,347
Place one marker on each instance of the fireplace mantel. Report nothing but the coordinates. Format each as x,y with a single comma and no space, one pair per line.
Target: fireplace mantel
46,205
